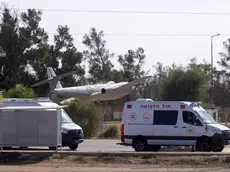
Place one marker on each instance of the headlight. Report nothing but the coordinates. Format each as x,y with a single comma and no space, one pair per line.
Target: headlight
64,131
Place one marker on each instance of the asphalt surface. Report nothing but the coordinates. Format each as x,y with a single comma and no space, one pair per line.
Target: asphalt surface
103,145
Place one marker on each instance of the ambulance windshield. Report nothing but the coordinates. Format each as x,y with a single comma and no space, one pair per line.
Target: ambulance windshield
206,117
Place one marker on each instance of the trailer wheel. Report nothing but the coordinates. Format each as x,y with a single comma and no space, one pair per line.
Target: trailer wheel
73,147
140,144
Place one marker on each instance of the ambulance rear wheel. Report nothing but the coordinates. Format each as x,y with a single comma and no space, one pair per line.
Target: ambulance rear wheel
140,144
154,148
204,145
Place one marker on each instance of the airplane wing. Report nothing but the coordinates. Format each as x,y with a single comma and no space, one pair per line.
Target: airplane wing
122,88
67,100
135,82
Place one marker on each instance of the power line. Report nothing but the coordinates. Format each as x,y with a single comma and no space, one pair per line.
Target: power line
148,34
122,11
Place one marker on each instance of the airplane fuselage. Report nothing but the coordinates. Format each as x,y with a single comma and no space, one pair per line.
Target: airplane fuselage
83,92
101,92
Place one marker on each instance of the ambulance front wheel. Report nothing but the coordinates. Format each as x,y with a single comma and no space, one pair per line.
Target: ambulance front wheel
140,144
73,147
218,148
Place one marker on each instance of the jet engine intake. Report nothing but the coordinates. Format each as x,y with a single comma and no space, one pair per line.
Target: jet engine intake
103,91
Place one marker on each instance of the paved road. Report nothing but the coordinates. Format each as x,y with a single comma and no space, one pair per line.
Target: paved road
104,145
111,146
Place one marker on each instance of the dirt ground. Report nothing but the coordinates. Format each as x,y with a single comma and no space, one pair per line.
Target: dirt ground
57,168
104,168
105,163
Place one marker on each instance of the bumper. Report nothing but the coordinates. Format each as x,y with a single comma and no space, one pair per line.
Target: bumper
72,137
221,139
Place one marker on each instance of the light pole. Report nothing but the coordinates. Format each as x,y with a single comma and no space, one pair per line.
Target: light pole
212,63
212,54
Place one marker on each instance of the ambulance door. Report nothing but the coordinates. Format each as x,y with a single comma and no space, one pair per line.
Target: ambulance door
165,127
190,127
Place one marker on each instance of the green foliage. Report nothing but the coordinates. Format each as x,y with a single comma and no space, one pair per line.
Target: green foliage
98,56
86,115
182,84
132,64
24,49
111,131
19,91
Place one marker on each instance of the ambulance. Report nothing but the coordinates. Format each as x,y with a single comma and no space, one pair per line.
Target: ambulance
148,125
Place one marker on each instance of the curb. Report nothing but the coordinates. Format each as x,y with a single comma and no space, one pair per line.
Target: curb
142,153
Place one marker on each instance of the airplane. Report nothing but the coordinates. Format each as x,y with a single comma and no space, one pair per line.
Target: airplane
97,92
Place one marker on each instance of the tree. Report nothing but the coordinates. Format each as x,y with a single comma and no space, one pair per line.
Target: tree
86,115
98,56
206,92
132,64
182,83
225,57
132,68
151,89
15,41
221,93
25,53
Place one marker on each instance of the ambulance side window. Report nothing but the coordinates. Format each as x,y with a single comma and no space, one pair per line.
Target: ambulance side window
165,117
190,118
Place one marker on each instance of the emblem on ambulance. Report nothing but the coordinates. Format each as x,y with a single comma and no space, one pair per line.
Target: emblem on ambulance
132,116
190,130
146,116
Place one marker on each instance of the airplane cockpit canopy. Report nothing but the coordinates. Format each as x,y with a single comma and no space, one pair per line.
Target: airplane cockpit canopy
111,82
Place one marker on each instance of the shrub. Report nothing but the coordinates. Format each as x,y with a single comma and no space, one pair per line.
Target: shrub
19,91
111,131
86,115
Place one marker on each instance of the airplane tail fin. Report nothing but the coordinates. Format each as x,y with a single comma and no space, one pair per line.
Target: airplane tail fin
53,79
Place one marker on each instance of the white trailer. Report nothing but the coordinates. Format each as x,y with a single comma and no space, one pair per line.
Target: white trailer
28,126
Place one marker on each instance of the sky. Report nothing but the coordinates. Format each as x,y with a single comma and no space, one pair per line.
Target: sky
162,39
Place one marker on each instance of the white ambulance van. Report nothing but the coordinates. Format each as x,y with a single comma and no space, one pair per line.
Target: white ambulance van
147,125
